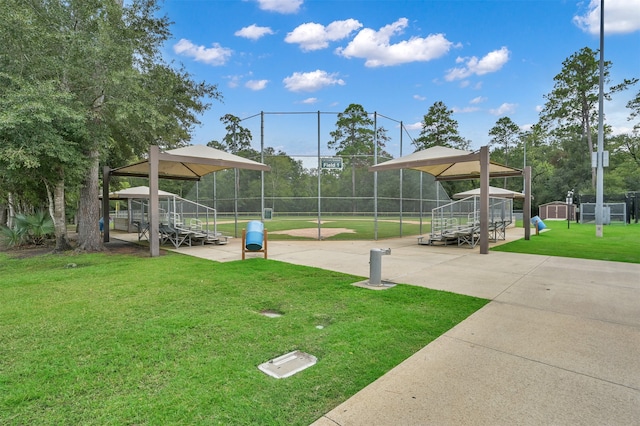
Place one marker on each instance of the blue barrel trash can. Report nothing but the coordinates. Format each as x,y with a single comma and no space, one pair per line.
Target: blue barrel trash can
255,235
536,220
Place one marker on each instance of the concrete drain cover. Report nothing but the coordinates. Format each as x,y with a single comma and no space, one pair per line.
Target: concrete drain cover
288,364
271,313
384,285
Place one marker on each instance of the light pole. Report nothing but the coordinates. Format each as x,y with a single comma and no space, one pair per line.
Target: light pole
600,156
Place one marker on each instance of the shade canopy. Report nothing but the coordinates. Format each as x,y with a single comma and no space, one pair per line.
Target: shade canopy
493,192
136,192
446,164
190,163
455,164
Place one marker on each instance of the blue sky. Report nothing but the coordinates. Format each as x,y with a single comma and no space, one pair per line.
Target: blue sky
483,59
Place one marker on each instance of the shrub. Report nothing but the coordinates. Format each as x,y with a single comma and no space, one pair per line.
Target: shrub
28,229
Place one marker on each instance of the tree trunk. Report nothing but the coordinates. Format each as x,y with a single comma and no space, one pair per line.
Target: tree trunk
60,218
4,217
89,208
587,130
12,212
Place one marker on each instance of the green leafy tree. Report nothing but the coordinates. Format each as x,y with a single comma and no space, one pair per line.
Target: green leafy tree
107,58
284,178
39,132
237,138
355,138
573,103
504,134
440,129
634,106
624,166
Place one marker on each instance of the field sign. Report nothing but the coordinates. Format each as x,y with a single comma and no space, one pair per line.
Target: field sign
332,163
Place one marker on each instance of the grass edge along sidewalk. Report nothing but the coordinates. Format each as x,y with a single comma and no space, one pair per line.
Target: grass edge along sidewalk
114,339
619,243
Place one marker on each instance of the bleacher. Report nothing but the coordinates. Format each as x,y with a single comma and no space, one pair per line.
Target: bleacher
458,222
182,222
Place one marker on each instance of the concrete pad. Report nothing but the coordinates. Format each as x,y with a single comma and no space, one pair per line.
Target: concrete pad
590,271
612,301
599,349
451,382
488,285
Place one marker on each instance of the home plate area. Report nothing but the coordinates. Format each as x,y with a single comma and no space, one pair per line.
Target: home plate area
313,232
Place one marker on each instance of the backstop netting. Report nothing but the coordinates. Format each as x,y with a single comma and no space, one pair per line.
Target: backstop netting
311,180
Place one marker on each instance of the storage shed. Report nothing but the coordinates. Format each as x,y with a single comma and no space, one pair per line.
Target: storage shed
557,210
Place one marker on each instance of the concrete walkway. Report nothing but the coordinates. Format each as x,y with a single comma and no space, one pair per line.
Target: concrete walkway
559,343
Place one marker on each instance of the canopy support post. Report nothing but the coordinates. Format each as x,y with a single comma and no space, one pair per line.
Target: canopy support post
526,207
484,200
105,203
154,204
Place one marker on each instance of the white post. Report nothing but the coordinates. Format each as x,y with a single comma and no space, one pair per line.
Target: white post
600,154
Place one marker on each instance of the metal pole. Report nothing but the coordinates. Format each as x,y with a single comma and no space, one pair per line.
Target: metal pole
319,184
235,201
421,202
215,200
262,161
375,176
236,185
401,181
524,163
526,208
600,154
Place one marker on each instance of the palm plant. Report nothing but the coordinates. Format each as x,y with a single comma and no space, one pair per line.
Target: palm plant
28,229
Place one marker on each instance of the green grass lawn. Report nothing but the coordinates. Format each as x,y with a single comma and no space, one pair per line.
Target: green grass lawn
177,340
619,243
364,227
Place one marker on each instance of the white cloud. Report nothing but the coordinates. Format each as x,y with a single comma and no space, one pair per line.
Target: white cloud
478,100
310,101
234,81
620,16
280,6
312,36
311,81
216,55
419,98
256,84
621,130
464,110
253,32
376,47
491,62
504,109
414,126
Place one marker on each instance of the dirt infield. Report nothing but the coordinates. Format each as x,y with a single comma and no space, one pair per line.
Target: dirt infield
313,232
